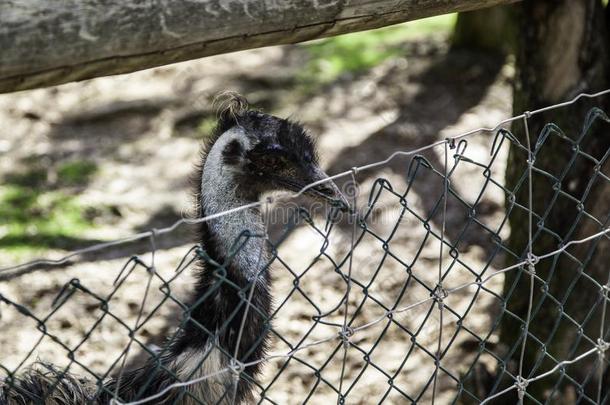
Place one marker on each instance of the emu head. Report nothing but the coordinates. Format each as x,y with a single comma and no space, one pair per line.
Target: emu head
264,153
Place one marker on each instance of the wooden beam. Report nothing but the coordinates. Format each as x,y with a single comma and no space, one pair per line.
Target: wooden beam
48,42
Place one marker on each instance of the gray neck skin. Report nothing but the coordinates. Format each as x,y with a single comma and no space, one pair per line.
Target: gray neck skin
218,195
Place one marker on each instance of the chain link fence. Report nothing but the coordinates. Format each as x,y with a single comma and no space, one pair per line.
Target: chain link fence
389,302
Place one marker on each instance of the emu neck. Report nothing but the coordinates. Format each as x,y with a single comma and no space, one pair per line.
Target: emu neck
236,239
221,307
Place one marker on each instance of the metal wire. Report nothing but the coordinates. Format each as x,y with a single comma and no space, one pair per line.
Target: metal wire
174,226
348,339
530,255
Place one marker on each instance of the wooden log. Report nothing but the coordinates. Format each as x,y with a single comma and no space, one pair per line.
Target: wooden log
48,42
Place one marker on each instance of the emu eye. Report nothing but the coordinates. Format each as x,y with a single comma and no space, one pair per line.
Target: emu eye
271,162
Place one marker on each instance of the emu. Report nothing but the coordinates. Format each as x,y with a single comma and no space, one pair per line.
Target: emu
249,154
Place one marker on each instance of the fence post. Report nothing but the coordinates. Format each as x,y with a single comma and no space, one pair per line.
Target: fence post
47,42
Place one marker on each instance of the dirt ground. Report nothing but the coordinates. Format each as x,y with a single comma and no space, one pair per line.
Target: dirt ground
142,130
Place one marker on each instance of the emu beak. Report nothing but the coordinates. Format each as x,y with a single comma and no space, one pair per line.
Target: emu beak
327,190
316,184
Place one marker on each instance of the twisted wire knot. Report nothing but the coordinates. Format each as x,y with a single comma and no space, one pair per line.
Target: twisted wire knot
521,385
439,294
602,346
532,260
236,367
345,334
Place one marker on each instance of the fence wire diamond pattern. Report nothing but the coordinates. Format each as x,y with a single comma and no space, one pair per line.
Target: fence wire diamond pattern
390,302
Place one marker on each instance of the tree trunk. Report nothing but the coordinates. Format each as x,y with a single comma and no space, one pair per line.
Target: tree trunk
562,51
46,42
491,29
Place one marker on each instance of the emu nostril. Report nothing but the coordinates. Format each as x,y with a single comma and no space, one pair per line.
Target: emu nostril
326,190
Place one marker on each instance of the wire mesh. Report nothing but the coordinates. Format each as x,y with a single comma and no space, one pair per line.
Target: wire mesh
400,325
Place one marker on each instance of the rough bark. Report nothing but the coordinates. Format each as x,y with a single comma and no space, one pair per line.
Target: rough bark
47,42
562,51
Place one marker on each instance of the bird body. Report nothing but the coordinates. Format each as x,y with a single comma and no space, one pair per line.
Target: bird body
250,154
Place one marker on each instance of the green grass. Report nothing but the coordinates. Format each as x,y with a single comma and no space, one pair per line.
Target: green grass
37,215
332,57
76,172
39,220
